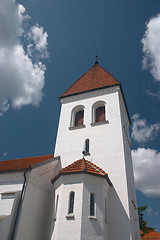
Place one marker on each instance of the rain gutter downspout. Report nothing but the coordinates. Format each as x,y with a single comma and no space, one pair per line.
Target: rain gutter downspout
19,205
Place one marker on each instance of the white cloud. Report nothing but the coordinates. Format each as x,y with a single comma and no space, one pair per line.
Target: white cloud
146,163
141,131
149,211
38,41
151,49
22,75
5,154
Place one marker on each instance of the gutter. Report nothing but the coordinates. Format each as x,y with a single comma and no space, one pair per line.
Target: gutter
18,209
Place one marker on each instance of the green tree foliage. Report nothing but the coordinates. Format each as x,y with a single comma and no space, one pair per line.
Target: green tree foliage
142,222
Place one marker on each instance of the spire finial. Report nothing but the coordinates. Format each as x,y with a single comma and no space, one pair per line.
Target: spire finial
96,62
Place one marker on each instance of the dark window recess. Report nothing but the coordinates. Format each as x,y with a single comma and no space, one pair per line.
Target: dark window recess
79,118
87,145
100,114
71,202
57,204
92,213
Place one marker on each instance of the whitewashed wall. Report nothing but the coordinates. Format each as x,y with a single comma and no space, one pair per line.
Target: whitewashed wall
36,208
107,145
81,226
10,182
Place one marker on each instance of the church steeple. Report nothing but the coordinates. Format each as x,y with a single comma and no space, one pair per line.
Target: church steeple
96,78
94,110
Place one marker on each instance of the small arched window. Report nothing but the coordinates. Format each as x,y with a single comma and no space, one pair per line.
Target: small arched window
87,145
71,202
79,117
92,205
100,114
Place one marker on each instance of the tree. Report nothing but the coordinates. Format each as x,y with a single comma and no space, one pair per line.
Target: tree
142,222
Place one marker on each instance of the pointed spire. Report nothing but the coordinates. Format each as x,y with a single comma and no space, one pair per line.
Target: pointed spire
96,62
96,78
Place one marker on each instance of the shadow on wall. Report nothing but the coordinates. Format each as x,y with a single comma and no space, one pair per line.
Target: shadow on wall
118,219
117,224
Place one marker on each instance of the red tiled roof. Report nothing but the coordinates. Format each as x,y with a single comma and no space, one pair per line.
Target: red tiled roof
82,166
97,77
22,163
151,235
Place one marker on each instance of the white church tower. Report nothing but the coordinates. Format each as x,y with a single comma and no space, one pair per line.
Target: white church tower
93,128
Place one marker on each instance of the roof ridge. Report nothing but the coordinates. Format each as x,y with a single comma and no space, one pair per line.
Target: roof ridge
82,166
16,159
22,163
96,167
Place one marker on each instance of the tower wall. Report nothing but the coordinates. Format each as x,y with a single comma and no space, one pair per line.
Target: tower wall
109,149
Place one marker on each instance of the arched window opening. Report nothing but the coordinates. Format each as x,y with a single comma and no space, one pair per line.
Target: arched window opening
79,117
92,205
100,114
87,145
71,202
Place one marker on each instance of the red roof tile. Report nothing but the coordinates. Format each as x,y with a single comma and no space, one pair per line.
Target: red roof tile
151,235
94,79
82,166
22,163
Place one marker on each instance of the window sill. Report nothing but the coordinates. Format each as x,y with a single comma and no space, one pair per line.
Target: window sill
87,154
70,216
99,123
77,127
92,217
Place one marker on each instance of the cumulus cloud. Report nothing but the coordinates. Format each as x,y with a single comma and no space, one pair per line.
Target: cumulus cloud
151,49
37,42
141,131
21,52
146,163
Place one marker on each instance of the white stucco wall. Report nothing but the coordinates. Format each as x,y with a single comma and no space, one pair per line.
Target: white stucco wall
81,226
107,146
9,182
130,177
36,209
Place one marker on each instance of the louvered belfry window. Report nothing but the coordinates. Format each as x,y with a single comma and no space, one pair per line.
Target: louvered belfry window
79,118
100,114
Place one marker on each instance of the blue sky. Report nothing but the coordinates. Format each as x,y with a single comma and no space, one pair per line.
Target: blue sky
45,46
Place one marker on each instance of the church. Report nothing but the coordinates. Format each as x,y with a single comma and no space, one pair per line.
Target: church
85,190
